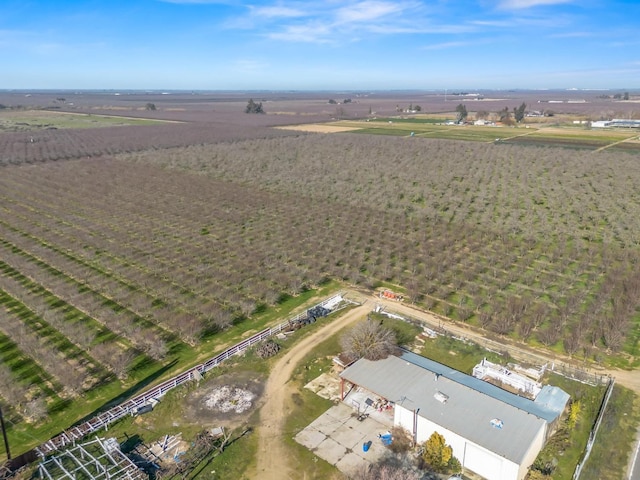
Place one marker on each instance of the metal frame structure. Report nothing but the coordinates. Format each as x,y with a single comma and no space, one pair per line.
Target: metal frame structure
98,459
130,407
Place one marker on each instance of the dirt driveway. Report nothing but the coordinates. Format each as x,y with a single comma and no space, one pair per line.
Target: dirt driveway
626,378
271,458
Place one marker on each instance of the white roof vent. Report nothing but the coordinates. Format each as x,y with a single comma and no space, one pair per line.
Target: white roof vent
441,397
497,423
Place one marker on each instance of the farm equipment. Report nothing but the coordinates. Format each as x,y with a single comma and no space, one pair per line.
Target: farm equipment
389,295
310,316
317,312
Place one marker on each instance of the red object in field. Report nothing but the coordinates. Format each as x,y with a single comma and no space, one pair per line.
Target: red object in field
391,295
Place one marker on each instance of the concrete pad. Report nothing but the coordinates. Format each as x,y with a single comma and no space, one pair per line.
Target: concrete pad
330,450
369,430
330,392
348,436
326,386
373,427
310,438
377,449
360,396
368,426
340,411
337,437
351,464
327,423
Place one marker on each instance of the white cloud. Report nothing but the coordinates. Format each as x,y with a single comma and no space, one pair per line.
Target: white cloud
340,21
367,10
394,29
493,23
557,21
572,35
201,2
336,21
524,4
445,45
324,23
277,12
316,33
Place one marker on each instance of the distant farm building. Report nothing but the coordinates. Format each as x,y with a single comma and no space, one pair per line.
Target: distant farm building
483,123
494,433
616,123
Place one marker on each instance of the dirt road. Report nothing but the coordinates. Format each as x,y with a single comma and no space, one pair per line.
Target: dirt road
626,378
629,379
271,458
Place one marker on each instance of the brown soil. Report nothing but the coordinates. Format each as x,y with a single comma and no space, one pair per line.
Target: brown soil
272,455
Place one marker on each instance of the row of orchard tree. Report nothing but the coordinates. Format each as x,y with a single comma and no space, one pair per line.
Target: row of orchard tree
541,253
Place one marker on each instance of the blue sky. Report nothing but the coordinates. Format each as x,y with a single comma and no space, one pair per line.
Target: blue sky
328,45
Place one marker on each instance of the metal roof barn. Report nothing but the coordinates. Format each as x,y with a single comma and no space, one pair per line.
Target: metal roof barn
483,423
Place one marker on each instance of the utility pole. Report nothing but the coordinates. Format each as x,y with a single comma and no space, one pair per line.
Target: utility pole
4,435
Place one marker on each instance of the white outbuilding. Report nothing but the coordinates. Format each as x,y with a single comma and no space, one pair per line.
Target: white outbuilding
494,433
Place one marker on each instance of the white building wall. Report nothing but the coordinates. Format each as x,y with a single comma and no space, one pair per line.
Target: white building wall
531,455
471,456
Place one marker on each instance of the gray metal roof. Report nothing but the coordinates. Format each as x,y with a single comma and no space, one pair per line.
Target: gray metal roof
542,409
553,399
467,411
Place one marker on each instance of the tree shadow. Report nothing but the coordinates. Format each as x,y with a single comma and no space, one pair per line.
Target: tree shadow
128,393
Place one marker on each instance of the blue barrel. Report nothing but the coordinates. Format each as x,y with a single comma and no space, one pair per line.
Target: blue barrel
366,446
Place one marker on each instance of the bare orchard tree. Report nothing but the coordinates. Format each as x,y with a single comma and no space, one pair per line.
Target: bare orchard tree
12,391
157,349
121,363
35,410
370,340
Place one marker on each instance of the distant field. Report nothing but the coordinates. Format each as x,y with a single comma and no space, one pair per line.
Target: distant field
319,128
434,127
31,120
490,237
124,250
578,138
